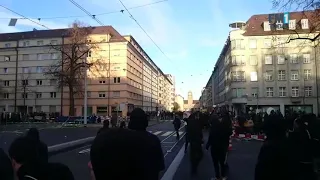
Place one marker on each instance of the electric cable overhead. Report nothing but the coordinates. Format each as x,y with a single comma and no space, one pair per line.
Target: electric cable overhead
87,12
24,16
131,16
99,14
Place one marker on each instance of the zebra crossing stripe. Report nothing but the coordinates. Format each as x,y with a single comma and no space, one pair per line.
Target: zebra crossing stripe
167,133
84,151
157,133
180,133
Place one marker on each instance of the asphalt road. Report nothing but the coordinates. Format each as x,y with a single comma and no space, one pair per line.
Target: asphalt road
78,159
241,159
50,133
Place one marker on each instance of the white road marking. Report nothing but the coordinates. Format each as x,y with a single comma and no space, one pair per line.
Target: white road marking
158,132
180,133
84,151
167,133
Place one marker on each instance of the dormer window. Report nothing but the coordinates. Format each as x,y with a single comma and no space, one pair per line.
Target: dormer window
279,25
304,24
266,26
292,24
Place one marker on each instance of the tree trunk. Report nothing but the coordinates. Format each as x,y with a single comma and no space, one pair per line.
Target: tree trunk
71,101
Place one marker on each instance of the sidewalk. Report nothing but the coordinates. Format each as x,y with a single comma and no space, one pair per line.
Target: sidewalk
241,160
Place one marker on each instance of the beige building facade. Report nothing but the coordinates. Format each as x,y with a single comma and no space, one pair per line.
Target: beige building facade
191,104
128,78
262,67
180,101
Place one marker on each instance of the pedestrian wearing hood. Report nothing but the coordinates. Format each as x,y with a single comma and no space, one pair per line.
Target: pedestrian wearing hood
33,134
218,142
195,138
154,161
177,123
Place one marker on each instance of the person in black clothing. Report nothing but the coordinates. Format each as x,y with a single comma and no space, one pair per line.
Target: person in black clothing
274,159
105,126
195,138
154,155
218,141
177,123
33,134
6,170
122,154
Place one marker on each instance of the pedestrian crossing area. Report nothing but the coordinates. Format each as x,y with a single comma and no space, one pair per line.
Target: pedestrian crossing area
165,133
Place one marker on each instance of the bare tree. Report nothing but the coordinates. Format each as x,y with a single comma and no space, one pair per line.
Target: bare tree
69,70
24,88
310,10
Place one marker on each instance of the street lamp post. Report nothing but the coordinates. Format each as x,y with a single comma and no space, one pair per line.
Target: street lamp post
85,103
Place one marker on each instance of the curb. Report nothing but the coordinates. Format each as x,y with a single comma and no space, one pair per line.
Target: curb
172,169
64,147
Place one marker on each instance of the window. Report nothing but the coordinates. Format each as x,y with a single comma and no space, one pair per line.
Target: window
38,95
269,75
295,91
40,43
116,79
24,95
24,82
254,91
269,91
294,58
281,59
39,82
43,56
7,45
292,24
238,76
6,58
239,44
308,91
253,60
266,26
25,56
88,93
53,94
281,75
6,95
5,70
282,92
238,92
116,93
26,43
39,69
102,82
267,43
238,60
279,25
6,83
53,42
102,94
306,58
294,75
304,24
307,74
252,44
254,76
25,70
54,56
268,59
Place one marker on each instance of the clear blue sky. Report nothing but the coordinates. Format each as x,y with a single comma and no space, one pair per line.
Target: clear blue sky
191,33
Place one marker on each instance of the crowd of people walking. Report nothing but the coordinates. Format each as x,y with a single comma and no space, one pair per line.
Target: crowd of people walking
131,152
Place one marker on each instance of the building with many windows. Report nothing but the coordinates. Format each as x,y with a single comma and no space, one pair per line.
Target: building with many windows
205,100
269,64
129,78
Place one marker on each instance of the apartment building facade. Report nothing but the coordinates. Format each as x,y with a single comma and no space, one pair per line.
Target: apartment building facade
128,78
205,100
261,66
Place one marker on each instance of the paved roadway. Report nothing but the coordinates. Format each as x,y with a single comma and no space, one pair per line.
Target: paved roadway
50,133
242,159
78,159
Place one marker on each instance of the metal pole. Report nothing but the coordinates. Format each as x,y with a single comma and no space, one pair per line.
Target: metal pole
316,65
85,104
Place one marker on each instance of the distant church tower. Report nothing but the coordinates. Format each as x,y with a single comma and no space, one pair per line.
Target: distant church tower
190,98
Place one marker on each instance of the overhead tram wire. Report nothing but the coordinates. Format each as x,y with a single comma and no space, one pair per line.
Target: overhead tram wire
131,16
24,17
87,12
100,14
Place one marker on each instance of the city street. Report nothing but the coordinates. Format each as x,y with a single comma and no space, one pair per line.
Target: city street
77,159
241,159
